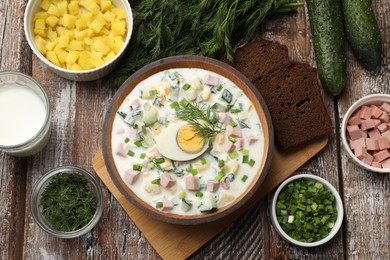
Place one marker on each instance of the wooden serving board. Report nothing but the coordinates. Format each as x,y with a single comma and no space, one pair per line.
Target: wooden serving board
179,241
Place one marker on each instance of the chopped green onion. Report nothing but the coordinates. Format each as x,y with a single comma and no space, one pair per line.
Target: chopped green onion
192,170
151,165
199,194
203,161
153,92
232,123
235,110
220,87
221,163
182,195
219,176
232,139
245,152
135,126
184,102
159,160
174,105
233,154
126,140
251,162
143,130
245,159
130,153
159,204
138,143
137,167
142,155
244,178
186,86
156,181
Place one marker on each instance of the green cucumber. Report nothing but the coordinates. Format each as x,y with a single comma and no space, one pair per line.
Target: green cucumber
328,41
363,33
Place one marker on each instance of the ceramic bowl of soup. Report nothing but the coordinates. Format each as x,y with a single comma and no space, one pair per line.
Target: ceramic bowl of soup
187,139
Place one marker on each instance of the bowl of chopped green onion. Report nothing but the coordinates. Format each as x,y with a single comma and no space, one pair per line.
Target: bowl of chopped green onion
67,202
307,210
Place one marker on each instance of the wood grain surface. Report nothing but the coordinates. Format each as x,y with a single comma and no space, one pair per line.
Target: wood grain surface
78,110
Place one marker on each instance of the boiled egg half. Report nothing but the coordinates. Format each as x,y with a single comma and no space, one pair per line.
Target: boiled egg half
180,142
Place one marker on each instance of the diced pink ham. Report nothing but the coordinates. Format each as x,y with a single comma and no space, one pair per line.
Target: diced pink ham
374,134
211,80
228,146
239,144
386,134
360,152
384,117
166,180
367,124
252,139
224,118
376,164
154,152
191,182
381,155
383,143
167,204
377,122
385,163
354,120
365,112
212,186
136,103
131,133
225,183
364,133
376,112
385,107
233,131
383,127
119,149
131,176
368,159
361,142
354,132
372,144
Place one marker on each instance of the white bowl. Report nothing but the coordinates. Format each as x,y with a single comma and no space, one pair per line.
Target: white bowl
375,99
339,206
84,75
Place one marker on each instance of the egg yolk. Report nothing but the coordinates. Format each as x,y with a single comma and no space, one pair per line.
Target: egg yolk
189,140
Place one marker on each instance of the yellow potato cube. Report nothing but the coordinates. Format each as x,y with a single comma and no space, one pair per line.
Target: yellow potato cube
87,17
97,55
40,24
45,4
40,15
118,27
120,13
104,31
52,21
101,47
86,64
52,57
105,5
40,43
69,21
62,7
97,24
97,1
90,32
81,24
93,8
118,46
63,41
74,8
53,10
40,32
88,41
109,16
84,55
50,46
81,35
51,35
72,57
76,45
76,67
61,55
96,61
108,41
85,3
109,57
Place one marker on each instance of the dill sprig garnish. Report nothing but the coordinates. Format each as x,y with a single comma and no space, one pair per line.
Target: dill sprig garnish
210,28
203,118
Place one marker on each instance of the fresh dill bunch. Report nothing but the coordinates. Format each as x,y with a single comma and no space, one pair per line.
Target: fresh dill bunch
211,28
204,120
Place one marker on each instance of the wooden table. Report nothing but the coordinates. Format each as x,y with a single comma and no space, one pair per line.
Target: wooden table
78,111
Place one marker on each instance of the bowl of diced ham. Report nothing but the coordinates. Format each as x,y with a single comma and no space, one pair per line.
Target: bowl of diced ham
365,132
188,140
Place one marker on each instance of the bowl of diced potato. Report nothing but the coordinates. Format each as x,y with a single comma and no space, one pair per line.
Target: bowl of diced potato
80,40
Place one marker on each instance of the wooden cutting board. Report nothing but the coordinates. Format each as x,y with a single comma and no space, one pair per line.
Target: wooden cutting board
178,241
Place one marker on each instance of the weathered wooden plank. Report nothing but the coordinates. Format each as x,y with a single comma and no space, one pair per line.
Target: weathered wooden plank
12,170
366,194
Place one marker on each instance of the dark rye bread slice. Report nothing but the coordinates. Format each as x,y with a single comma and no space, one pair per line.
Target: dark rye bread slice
260,58
293,97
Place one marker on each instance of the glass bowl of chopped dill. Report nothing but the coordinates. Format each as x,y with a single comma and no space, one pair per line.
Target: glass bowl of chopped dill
67,202
307,210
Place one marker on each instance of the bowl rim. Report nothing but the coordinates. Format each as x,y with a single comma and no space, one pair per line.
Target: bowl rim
29,37
168,63
35,194
370,99
339,205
